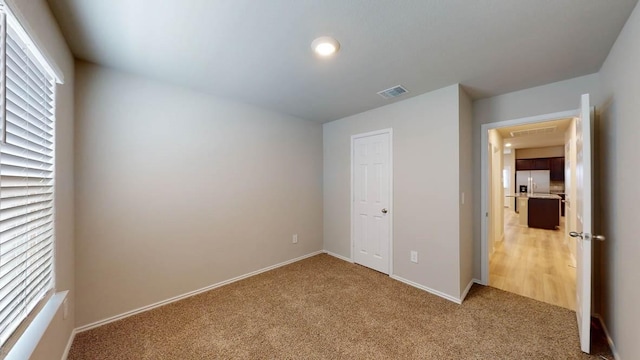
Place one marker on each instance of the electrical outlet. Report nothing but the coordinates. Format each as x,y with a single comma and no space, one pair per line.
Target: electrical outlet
295,239
414,256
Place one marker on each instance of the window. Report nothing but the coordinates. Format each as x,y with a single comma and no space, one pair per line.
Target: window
26,176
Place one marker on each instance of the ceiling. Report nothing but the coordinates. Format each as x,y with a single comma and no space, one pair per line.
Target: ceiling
542,134
258,52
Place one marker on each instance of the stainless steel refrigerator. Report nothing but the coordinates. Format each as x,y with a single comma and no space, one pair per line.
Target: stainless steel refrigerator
536,181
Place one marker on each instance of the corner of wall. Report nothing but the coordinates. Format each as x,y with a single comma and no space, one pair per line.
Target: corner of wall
466,198
616,193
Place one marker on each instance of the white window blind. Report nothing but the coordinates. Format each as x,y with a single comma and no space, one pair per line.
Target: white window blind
26,179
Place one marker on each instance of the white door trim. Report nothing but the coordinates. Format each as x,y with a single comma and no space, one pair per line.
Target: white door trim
484,177
351,195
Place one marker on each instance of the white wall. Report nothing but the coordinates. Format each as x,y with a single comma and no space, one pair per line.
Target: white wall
619,194
178,190
41,25
425,185
550,98
466,186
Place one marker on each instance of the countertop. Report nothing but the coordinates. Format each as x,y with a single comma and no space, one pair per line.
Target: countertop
538,196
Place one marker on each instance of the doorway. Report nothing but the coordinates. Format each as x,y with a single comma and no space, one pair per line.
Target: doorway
519,255
372,199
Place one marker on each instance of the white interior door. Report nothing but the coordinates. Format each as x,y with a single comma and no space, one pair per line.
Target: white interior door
371,217
583,224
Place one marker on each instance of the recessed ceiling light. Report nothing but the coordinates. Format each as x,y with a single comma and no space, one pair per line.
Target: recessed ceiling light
325,46
507,144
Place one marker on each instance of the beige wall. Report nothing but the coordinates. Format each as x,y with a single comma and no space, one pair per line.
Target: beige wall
543,152
425,185
550,98
466,187
571,215
496,214
41,25
617,139
177,190
510,161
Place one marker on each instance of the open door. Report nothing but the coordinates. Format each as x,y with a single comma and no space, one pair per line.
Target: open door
583,231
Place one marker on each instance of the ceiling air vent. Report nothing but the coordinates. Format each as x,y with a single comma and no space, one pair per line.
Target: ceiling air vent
392,92
535,131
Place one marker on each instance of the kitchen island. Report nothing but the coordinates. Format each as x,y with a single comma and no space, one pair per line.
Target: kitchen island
539,210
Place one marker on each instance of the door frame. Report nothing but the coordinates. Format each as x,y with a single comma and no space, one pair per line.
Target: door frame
484,177
388,131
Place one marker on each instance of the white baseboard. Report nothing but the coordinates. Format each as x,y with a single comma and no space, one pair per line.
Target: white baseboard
466,291
411,283
338,256
427,289
65,354
614,351
189,294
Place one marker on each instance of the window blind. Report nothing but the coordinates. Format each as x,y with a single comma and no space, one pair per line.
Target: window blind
26,180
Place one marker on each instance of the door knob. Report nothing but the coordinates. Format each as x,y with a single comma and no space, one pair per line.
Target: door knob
576,234
384,211
586,236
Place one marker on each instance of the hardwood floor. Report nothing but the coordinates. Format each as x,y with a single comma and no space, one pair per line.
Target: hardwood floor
535,263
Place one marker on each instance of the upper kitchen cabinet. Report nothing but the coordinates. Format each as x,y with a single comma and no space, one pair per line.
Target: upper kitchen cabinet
555,165
557,169
524,164
541,164
533,164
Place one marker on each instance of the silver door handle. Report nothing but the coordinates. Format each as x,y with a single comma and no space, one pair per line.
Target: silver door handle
384,211
587,236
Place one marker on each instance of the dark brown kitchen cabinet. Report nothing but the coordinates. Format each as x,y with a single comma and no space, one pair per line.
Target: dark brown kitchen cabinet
541,164
557,169
524,164
532,164
543,213
555,165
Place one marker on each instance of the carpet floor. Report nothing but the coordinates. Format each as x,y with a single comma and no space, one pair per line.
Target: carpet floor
326,308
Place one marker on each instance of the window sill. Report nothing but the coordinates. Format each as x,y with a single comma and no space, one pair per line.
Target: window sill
29,340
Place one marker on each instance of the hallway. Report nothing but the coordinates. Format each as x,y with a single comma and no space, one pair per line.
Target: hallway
535,263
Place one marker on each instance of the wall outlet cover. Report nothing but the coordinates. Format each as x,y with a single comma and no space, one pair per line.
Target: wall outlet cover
414,256
295,239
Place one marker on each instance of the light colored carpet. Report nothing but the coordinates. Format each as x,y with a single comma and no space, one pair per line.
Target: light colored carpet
325,308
